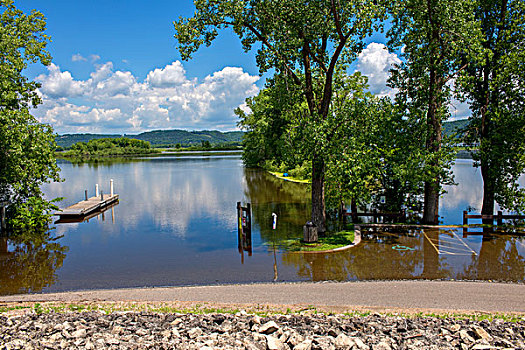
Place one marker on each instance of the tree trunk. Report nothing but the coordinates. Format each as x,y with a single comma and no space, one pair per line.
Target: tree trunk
318,204
431,204
433,146
488,193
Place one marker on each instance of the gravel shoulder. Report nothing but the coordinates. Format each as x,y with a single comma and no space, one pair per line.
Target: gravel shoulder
408,315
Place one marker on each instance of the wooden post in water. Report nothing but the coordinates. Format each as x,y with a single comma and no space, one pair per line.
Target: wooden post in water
101,195
239,218
310,233
111,187
465,218
500,218
86,194
96,190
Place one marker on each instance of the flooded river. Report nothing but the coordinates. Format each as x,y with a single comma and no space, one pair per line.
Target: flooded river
176,224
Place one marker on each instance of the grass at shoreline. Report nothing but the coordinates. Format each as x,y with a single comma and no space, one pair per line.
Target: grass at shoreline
260,310
330,242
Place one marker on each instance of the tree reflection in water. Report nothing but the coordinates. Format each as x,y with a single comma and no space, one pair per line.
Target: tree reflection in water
374,258
409,254
499,259
29,263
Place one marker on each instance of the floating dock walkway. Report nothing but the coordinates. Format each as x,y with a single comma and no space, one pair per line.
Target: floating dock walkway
90,205
86,207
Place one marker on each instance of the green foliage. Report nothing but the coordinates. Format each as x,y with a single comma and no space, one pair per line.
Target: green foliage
108,147
32,216
436,48
268,142
375,154
26,146
23,42
495,87
206,145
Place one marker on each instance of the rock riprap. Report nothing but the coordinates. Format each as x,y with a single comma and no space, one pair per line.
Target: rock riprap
145,330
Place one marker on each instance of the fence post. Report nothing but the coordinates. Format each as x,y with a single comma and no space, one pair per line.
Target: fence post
374,216
465,217
500,218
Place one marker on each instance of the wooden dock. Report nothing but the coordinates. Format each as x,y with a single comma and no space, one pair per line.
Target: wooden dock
88,206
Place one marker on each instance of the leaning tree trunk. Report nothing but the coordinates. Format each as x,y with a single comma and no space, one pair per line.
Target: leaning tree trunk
318,203
433,145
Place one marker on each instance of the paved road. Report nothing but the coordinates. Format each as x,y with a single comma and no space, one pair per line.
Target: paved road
383,295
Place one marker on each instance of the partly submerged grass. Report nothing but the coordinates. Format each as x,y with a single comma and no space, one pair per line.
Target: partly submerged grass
328,242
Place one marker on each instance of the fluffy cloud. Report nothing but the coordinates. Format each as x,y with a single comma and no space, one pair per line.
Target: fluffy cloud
375,62
172,75
58,84
115,101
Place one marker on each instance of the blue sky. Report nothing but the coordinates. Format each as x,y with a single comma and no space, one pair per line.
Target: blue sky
116,69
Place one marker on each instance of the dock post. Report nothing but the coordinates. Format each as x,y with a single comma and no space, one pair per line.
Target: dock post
465,217
96,190
111,187
86,194
101,195
500,218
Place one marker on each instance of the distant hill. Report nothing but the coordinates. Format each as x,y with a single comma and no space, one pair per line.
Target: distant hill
452,127
161,137
68,140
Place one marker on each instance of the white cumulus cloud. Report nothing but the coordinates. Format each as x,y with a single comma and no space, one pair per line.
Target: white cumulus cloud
375,62
116,101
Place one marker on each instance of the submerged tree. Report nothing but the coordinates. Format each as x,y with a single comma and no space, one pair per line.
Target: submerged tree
304,40
439,39
495,87
26,146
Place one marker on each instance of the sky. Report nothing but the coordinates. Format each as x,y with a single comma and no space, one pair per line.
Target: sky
116,70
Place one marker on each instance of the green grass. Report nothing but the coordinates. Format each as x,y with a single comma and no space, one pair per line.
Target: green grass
203,309
329,242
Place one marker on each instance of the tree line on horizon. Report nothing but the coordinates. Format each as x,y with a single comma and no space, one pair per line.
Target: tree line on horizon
161,138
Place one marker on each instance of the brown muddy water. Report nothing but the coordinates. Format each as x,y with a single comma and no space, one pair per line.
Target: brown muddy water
176,224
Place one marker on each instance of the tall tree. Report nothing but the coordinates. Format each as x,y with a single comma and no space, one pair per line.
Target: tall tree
495,86
305,40
438,38
26,146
